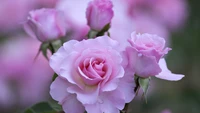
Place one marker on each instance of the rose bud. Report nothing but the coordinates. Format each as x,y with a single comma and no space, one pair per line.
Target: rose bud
46,24
99,13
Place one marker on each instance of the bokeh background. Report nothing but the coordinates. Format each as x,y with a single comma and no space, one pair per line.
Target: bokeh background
25,80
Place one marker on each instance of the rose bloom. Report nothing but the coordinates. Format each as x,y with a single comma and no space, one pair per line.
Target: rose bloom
91,77
46,24
99,13
144,57
145,52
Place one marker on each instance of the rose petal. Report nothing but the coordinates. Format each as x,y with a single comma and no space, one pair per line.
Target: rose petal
67,67
87,80
166,74
104,106
116,98
57,58
100,43
111,85
127,85
142,65
87,96
72,105
58,89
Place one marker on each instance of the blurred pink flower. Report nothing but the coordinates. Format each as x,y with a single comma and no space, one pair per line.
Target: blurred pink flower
13,13
47,3
28,80
166,111
170,13
46,24
76,20
144,54
99,13
146,24
91,77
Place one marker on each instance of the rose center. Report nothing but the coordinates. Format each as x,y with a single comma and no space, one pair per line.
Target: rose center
94,67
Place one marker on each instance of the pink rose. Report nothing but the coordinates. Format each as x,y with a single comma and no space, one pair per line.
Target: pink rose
46,24
144,54
99,13
91,77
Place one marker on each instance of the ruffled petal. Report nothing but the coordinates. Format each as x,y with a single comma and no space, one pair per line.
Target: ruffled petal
58,89
87,96
57,58
127,85
72,105
142,65
166,74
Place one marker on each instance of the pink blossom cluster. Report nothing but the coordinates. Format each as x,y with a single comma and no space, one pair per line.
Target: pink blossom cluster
98,75
101,54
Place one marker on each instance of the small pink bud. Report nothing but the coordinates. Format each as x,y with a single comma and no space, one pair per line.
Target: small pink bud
99,13
46,24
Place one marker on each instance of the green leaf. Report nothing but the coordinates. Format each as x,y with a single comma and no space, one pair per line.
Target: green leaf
55,106
144,84
43,107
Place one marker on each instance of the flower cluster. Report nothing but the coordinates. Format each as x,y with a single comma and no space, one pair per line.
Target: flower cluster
98,75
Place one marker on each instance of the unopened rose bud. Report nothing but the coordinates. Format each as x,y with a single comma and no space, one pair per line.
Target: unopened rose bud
46,24
99,13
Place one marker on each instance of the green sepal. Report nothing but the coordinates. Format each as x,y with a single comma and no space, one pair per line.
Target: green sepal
144,84
92,34
44,47
105,29
55,45
54,76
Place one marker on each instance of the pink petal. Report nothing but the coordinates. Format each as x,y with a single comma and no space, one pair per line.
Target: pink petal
72,105
87,96
67,69
93,108
166,74
87,80
116,98
100,42
103,106
111,85
57,58
58,89
127,85
142,65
